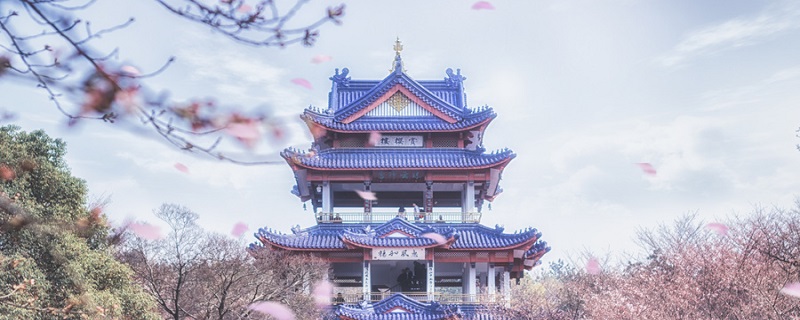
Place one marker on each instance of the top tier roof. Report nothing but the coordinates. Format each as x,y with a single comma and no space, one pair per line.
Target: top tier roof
398,103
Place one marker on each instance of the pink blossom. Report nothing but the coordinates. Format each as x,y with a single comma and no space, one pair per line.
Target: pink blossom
247,132
482,5
647,168
181,167
593,266
238,229
718,228
792,289
366,195
277,310
322,293
320,58
303,83
435,237
145,230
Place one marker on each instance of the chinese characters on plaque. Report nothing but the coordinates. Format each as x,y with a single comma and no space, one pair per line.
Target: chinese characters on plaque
398,253
400,141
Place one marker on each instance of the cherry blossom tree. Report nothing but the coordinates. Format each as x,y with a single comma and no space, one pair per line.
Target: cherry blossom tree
688,270
50,44
195,274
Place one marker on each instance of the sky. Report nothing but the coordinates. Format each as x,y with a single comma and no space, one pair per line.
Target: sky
704,91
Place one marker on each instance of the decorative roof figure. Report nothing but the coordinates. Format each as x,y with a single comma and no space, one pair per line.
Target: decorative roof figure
397,66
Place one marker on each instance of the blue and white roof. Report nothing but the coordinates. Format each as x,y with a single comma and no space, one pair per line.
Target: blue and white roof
325,237
398,104
399,307
397,158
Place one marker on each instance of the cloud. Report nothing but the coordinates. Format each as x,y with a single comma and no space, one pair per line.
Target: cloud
776,85
240,75
734,33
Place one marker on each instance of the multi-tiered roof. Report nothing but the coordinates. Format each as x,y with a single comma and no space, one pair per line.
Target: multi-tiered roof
399,142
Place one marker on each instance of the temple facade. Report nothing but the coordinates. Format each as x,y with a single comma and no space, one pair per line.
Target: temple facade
397,176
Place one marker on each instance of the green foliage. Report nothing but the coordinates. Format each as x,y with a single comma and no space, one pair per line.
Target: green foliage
54,255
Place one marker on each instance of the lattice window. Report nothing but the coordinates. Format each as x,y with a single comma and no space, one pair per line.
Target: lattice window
484,255
352,142
464,255
445,142
501,255
345,255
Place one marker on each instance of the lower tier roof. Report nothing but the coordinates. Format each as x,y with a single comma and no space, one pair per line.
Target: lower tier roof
399,232
396,158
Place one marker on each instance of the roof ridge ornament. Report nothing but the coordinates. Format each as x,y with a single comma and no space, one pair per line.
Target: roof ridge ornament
454,79
397,66
341,78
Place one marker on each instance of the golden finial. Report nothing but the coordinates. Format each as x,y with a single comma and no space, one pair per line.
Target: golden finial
398,46
398,62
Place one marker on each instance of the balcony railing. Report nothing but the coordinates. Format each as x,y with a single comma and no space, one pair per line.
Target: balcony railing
418,217
444,298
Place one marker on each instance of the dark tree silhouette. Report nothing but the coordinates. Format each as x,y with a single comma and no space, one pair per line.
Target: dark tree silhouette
77,76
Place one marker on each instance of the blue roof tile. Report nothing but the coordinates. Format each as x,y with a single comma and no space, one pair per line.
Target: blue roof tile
416,310
349,96
399,124
396,158
467,236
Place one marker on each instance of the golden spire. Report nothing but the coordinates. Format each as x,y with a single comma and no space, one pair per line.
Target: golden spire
398,46
397,65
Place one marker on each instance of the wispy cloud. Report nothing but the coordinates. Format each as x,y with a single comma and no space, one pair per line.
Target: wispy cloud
734,33
751,94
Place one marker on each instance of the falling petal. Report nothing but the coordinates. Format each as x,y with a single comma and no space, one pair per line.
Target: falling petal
482,5
181,167
238,229
145,230
367,195
303,83
322,293
277,310
435,237
718,228
320,58
593,266
374,138
792,289
647,168
6,173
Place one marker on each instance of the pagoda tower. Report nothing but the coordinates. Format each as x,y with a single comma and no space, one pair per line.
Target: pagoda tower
397,176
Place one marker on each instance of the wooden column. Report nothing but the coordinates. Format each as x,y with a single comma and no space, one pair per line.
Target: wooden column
367,204
490,278
429,198
471,285
366,281
431,280
327,199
